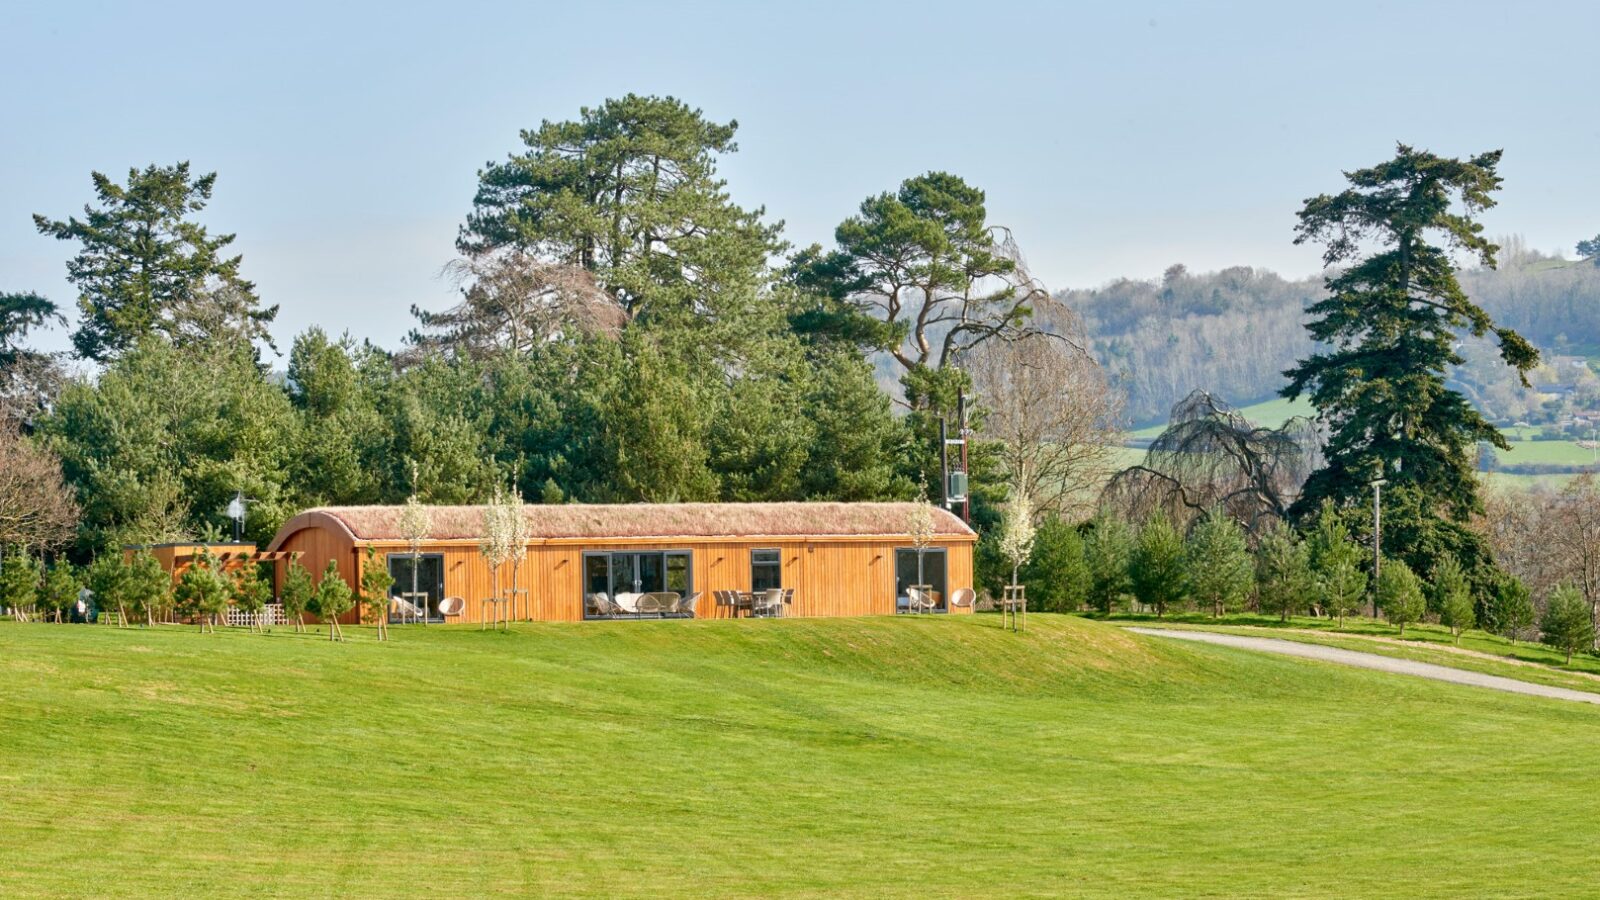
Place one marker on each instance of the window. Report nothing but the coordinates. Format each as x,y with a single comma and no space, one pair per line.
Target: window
907,575
429,584
766,569
613,572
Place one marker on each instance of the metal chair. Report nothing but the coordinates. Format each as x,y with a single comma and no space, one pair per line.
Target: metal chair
687,604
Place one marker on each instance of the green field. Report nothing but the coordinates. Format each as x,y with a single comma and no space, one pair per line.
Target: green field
1268,413
935,756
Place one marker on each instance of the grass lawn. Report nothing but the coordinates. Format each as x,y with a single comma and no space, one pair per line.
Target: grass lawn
1424,643
933,756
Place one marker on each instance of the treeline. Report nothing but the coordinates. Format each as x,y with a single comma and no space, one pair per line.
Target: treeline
159,443
625,332
1112,566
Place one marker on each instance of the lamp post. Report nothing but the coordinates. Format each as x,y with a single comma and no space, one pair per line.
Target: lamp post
236,512
1377,539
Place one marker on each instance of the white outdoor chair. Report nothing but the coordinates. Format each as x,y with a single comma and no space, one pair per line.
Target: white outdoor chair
452,606
963,598
687,604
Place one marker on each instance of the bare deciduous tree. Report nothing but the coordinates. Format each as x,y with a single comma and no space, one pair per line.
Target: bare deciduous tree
514,301
1053,412
37,509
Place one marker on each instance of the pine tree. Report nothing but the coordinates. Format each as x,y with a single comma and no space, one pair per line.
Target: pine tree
1567,623
1057,574
1157,566
21,578
375,584
297,593
1510,608
1221,572
1336,562
1400,594
1284,581
1108,551
332,599
1391,321
145,268
1452,596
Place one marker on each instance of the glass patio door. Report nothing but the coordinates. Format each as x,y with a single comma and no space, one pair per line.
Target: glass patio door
429,585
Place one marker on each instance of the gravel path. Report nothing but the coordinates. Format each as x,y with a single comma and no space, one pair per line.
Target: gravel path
1374,661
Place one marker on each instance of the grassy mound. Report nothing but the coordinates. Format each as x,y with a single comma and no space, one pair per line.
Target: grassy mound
935,755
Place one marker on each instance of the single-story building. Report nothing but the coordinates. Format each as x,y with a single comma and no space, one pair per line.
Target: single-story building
838,559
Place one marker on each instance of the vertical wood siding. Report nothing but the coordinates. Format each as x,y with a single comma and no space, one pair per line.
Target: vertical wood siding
832,578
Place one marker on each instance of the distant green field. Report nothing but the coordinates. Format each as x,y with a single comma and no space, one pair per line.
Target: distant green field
911,757
1268,413
1555,453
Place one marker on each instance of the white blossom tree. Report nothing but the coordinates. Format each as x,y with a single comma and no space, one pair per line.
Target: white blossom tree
415,524
495,546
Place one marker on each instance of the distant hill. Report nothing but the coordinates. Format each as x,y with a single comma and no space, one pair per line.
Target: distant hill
1235,331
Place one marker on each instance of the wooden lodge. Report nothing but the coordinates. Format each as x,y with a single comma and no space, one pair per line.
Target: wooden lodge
832,559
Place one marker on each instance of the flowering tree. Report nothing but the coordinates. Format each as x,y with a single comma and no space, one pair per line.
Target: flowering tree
414,527
517,533
922,529
496,543
1016,540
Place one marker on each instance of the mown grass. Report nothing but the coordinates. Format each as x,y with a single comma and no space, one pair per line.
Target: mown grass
934,756
1477,651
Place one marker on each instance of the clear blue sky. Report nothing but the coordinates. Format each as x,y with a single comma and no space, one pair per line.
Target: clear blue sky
1115,138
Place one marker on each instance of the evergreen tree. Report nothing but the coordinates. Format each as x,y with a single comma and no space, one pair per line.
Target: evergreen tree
203,591
1567,623
296,594
60,590
1336,562
1156,569
107,580
1108,552
21,577
1221,572
858,450
1510,608
1400,594
145,268
1057,574
629,192
1452,596
1284,581
1391,321
19,314
147,586
332,599
250,594
375,584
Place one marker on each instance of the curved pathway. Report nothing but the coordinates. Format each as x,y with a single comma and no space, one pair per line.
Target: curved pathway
1373,661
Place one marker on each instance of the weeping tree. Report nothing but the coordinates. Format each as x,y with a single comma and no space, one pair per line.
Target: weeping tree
1212,458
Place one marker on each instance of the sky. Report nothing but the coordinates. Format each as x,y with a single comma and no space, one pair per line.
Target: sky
1114,139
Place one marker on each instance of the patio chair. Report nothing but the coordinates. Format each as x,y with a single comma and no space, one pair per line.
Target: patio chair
687,603
920,601
788,601
963,598
656,603
768,603
452,606
603,606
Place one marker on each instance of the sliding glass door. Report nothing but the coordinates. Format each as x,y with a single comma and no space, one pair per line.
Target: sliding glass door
613,572
423,603
928,571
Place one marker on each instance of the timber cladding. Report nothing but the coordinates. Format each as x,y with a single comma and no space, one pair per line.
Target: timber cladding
832,571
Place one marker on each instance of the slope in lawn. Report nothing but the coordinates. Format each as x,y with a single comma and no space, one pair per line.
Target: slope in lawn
871,757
